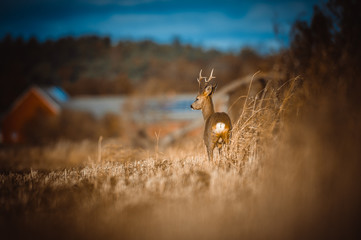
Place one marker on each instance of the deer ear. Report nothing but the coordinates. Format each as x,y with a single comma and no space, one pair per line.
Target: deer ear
208,90
215,87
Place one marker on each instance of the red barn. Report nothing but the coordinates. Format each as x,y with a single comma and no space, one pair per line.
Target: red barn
34,101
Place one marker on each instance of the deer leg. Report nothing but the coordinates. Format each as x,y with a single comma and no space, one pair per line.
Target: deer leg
226,142
219,153
210,151
210,154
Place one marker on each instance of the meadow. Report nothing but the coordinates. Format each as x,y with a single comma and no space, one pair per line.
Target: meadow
291,171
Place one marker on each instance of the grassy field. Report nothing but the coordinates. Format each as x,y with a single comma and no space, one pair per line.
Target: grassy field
289,173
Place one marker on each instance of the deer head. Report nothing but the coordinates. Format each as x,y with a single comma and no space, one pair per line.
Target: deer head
206,89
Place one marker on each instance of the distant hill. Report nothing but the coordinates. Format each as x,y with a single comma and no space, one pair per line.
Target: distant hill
92,65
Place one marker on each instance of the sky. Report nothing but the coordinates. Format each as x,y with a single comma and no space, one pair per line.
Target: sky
226,25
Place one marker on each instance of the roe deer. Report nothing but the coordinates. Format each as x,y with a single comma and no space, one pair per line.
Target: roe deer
218,125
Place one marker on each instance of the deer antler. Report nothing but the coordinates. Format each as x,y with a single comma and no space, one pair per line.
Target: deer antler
210,77
200,77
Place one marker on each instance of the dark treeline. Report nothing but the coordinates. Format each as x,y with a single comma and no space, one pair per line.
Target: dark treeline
326,52
91,65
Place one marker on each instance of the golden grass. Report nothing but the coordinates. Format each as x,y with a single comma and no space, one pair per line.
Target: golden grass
279,178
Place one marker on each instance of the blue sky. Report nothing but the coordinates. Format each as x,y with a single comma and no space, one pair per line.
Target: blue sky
221,24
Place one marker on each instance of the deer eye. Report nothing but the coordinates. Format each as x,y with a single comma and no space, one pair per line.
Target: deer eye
197,99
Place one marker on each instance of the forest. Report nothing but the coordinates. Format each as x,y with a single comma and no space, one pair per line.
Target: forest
92,65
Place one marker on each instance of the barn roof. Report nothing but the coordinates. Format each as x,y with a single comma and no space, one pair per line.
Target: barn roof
53,96
56,94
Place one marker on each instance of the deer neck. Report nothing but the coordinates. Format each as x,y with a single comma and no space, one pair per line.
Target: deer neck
207,109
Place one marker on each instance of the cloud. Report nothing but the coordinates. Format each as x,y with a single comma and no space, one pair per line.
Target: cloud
124,2
193,24
211,29
221,24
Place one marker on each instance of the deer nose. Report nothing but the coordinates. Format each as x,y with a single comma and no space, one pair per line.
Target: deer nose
191,106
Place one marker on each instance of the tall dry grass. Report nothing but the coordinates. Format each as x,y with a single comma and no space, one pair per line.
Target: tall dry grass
290,172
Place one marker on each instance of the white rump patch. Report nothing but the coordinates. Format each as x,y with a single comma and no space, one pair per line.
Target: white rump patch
220,127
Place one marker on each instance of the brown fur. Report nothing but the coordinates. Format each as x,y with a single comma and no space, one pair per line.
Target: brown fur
212,136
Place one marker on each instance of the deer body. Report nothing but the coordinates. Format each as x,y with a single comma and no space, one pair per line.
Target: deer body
218,125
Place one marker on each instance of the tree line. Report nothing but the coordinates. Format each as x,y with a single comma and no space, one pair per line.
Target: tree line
93,65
